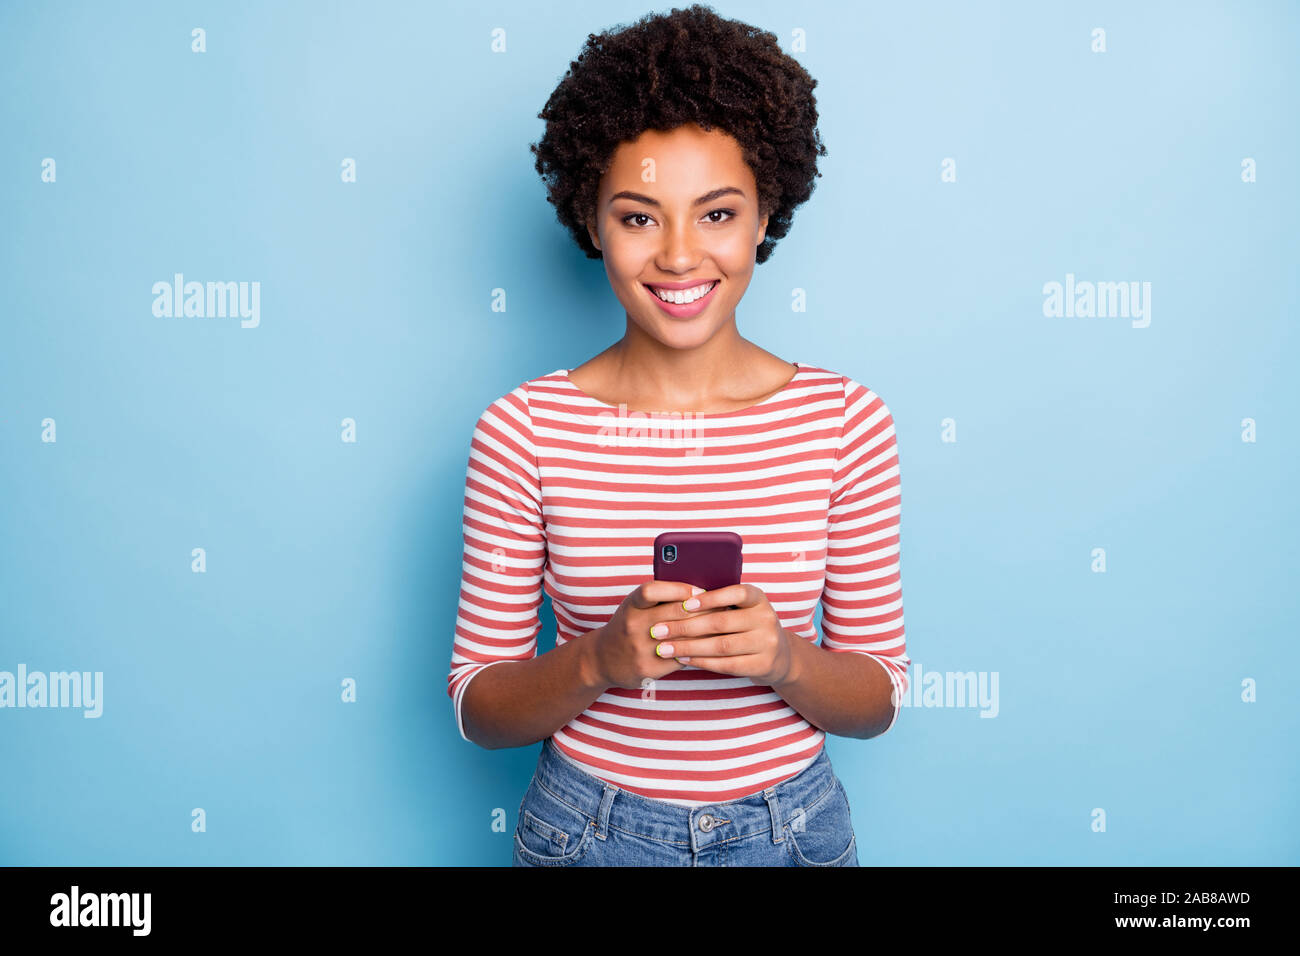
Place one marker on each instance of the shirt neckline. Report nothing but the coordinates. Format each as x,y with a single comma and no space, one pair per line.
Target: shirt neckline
800,369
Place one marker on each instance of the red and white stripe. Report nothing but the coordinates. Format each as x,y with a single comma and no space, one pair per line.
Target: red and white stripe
808,478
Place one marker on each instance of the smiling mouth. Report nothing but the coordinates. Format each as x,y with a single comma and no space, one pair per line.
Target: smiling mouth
682,296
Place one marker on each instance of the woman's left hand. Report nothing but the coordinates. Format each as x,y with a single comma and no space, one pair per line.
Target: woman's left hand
745,641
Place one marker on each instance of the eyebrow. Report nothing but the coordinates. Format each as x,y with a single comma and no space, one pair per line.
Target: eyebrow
706,198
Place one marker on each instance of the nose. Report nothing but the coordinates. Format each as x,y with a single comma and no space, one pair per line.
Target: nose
679,253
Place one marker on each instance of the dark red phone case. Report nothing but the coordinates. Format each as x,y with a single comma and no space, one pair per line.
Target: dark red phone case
706,559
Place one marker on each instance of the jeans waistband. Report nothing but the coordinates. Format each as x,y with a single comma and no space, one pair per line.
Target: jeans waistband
610,805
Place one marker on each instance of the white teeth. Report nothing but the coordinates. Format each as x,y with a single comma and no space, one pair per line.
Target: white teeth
683,296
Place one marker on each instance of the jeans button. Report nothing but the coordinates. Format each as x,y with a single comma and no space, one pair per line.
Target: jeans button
706,823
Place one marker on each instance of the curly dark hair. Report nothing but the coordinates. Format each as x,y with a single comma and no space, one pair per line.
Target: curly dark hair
667,70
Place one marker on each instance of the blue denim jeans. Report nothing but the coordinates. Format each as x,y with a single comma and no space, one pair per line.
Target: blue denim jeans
570,818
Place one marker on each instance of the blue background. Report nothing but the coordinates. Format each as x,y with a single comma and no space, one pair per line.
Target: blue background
328,560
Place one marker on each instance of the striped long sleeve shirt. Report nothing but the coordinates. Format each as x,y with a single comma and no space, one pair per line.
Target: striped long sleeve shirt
567,493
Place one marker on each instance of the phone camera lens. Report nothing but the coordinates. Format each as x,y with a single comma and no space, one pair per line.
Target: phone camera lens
670,553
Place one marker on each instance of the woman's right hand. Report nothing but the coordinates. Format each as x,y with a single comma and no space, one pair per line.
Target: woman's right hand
624,651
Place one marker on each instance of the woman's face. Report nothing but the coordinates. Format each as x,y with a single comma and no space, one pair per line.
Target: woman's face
679,207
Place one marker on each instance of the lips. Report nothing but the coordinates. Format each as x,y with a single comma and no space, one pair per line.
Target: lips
707,285
687,310
677,286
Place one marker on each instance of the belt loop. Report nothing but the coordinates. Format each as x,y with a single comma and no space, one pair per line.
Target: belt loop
602,815
778,832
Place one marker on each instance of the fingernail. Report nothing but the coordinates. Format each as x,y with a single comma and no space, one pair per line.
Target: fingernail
691,604
695,590
659,630
664,650
682,660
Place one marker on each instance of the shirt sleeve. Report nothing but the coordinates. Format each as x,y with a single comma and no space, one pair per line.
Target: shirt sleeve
862,602
498,617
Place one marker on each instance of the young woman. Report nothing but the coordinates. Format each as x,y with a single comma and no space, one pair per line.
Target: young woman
681,728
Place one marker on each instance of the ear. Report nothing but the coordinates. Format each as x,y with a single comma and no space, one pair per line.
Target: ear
591,232
762,231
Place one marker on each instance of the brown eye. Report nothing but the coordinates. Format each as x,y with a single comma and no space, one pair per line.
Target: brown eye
634,215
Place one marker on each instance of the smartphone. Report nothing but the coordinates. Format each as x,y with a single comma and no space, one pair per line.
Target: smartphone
706,559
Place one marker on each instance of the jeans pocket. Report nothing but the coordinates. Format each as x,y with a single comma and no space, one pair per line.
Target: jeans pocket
823,834
550,832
